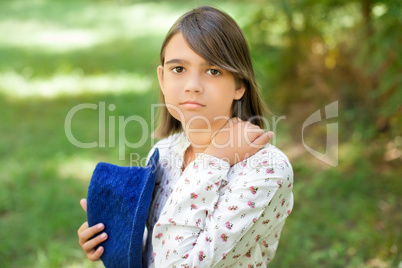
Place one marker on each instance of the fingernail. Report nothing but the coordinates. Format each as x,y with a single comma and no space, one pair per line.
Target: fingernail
100,226
103,236
271,134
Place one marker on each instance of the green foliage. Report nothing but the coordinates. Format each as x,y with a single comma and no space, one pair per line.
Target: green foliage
319,51
55,55
353,220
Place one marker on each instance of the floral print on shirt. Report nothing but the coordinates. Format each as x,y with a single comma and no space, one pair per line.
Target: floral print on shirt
215,215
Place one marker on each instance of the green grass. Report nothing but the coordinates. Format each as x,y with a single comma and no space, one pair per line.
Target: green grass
348,216
40,184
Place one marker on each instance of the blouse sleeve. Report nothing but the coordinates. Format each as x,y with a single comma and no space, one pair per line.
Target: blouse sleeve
205,216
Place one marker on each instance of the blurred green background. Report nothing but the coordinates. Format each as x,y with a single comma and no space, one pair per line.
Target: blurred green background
55,55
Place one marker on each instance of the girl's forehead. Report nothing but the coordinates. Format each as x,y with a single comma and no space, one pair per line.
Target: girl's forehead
178,51
177,40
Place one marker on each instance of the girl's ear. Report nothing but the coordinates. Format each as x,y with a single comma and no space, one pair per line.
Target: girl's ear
239,92
160,77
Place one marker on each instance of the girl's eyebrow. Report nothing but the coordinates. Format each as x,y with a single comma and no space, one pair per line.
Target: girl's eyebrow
178,61
184,62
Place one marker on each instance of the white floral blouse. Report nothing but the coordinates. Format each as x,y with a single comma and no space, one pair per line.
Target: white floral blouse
214,215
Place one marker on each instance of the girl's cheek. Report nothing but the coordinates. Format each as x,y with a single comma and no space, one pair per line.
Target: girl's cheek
175,113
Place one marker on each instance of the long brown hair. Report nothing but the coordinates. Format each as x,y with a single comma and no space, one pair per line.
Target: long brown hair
217,38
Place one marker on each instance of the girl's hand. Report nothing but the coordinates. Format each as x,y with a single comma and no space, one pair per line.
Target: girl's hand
238,140
86,239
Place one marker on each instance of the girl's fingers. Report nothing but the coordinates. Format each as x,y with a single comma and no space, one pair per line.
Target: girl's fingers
271,135
88,233
262,140
96,254
91,244
83,203
86,237
83,227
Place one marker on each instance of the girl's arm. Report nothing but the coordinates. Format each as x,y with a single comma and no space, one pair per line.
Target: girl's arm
206,217
238,140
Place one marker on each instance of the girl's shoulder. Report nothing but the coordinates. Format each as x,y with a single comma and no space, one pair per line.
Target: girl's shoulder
269,161
270,151
175,143
170,142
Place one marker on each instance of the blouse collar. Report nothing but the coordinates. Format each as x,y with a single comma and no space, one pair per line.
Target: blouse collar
180,143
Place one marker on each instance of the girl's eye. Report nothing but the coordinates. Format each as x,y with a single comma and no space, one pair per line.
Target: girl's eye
214,72
178,69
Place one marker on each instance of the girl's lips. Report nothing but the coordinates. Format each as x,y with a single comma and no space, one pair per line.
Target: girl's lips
192,105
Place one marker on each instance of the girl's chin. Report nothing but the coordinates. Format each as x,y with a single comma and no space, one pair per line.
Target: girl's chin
193,118
193,125
196,120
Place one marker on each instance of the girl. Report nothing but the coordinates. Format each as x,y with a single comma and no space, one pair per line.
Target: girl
222,192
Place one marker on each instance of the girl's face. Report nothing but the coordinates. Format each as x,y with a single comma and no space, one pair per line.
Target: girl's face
196,93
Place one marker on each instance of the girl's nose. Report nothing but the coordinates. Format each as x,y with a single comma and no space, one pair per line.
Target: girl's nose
194,84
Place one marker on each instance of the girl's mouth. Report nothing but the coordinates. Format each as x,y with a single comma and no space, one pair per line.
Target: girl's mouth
192,105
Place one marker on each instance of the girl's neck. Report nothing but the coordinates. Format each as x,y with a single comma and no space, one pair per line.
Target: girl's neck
200,139
198,144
